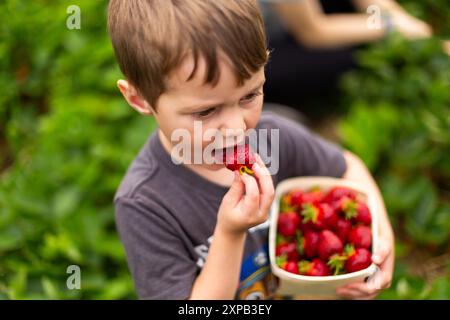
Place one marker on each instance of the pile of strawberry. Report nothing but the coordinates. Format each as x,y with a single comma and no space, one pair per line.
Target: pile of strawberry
322,234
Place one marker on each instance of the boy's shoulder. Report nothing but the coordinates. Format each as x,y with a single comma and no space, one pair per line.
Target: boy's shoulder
287,120
142,169
277,119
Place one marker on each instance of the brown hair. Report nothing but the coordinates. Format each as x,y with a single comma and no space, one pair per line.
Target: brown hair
152,37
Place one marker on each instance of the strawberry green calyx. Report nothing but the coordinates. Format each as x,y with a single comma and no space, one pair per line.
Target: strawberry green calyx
309,213
337,263
281,239
350,209
281,261
349,250
304,266
285,204
300,242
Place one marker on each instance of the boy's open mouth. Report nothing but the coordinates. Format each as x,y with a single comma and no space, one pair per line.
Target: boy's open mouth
219,154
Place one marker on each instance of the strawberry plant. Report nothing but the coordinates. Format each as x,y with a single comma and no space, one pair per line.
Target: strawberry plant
66,139
397,122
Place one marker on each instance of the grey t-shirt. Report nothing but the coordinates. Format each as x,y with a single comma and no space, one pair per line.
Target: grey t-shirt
166,214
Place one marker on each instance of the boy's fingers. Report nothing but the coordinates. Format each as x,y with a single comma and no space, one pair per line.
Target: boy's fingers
356,292
235,192
262,166
266,187
251,199
259,160
366,288
380,256
348,293
382,279
371,297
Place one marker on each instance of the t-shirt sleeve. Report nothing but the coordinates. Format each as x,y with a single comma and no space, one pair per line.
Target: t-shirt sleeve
159,263
304,153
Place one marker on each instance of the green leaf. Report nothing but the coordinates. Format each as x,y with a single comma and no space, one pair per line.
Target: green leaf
66,201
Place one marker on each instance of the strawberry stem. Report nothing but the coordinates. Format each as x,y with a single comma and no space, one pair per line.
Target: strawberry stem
245,169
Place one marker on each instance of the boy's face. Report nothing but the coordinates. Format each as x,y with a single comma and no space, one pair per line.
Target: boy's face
225,108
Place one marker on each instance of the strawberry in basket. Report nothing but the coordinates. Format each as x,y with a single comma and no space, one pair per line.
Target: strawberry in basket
324,233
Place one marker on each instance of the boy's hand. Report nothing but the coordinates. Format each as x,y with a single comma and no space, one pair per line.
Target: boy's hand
384,258
248,201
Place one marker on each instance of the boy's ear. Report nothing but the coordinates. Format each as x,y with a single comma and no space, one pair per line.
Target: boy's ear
133,97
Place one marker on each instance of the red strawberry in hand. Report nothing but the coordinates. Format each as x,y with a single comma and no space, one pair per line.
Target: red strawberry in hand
289,249
342,229
315,268
361,237
329,244
308,243
358,259
288,223
321,216
241,159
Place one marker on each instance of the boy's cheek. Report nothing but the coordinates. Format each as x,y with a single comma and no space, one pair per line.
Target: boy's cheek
252,117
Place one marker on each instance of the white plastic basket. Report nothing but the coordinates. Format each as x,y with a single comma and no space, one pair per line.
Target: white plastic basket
307,286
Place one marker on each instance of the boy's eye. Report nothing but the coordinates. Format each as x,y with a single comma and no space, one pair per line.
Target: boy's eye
204,113
250,97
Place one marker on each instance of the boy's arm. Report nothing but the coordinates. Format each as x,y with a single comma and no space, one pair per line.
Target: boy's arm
384,255
219,278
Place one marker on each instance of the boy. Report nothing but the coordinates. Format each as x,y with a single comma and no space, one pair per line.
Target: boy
198,230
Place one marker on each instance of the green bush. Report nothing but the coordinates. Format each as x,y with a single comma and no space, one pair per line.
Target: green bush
399,124
71,137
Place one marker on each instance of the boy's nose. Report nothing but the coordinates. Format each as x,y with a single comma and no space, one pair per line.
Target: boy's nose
233,120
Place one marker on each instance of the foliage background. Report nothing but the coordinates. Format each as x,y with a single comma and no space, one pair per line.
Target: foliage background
67,137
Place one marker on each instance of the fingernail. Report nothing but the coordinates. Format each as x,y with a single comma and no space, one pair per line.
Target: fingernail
376,258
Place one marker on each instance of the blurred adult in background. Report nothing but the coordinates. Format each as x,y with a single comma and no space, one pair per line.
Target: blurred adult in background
313,42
